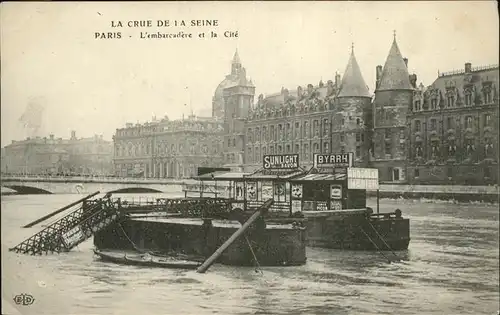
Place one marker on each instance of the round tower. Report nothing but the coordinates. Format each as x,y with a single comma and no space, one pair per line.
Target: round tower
352,114
393,99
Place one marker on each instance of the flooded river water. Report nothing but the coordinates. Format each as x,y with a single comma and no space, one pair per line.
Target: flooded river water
451,267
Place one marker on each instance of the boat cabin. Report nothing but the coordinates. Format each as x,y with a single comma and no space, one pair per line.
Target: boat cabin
333,184
248,191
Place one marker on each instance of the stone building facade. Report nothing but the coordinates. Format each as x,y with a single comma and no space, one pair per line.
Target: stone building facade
446,133
454,128
326,118
76,156
168,149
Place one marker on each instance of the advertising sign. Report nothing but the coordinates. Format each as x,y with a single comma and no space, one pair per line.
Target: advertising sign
281,162
338,160
362,178
335,191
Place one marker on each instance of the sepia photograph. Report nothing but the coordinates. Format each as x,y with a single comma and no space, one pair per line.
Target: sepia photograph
250,157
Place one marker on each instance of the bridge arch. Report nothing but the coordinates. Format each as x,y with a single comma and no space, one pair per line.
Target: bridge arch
28,190
135,190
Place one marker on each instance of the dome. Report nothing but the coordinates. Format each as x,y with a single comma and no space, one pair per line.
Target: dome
218,99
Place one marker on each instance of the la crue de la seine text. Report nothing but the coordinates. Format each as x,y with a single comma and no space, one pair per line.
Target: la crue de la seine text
150,34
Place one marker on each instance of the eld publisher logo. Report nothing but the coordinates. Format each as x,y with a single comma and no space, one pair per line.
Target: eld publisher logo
24,299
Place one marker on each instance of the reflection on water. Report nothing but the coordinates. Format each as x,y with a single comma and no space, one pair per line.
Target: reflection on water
451,267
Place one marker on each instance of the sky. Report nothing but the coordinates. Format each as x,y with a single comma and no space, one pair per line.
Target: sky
57,77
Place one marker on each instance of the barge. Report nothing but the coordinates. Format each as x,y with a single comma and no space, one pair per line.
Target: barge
329,200
199,226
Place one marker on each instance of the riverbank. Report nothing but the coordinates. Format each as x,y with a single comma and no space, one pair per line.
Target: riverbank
459,193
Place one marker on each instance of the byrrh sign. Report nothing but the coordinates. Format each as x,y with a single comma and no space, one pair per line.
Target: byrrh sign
340,160
279,162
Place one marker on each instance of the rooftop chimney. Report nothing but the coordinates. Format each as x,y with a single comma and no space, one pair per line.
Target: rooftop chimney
468,67
337,80
406,62
378,74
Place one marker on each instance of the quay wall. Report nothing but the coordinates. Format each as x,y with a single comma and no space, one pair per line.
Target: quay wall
441,192
272,247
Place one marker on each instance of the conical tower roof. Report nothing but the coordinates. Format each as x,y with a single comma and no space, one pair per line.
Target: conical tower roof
353,84
395,74
236,57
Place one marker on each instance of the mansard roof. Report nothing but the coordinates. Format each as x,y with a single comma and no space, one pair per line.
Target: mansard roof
395,74
353,84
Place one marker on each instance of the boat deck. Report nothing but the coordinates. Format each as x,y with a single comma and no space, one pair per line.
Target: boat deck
199,222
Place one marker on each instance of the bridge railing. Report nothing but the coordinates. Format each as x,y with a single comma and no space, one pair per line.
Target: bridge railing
89,179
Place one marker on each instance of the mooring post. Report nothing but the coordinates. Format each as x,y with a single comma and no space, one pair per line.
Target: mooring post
262,209
378,201
60,210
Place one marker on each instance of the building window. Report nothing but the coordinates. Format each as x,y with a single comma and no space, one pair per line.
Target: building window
451,101
264,150
468,99
342,138
326,127
316,128
452,148
280,132
358,137
488,147
288,148
273,133
358,121
306,151
257,134
417,106
297,148
342,149
487,97
388,133
362,137
449,122
326,147
487,120
297,130
316,148
417,126
449,172
358,151
486,172
249,135
434,149
469,146
288,131
250,156
433,103
418,151
387,148
280,149
234,142
417,173
271,149
468,122
342,122
433,124
306,129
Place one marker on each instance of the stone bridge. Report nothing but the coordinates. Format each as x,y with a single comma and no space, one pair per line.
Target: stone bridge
88,185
